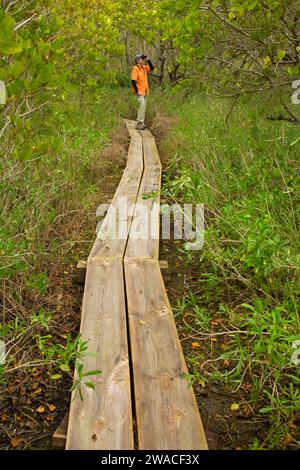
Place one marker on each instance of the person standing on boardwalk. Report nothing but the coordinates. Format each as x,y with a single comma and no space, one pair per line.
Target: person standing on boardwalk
140,87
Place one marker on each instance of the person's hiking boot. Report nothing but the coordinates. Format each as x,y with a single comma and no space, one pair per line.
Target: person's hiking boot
140,126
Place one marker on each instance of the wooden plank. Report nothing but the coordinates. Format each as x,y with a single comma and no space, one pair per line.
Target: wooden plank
81,271
143,240
166,408
103,420
82,264
60,435
109,243
163,264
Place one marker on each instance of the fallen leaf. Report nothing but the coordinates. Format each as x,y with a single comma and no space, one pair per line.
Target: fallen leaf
4,418
40,409
246,387
52,407
287,439
195,345
187,314
226,363
31,425
246,411
235,406
15,441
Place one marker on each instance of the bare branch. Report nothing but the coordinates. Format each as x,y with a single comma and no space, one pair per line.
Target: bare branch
24,22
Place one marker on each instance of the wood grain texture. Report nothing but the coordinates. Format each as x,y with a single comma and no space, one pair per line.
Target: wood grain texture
143,240
112,236
103,420
166,408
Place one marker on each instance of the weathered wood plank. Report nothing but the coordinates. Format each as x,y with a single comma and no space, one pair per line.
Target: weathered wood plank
103,420
60,435
81,271
166,408
112,236
143,240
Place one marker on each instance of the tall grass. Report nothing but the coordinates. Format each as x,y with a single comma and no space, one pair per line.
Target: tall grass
53,176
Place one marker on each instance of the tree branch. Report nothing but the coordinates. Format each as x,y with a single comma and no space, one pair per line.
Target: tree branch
24,22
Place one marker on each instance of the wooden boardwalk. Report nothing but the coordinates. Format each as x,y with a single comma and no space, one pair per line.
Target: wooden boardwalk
128,321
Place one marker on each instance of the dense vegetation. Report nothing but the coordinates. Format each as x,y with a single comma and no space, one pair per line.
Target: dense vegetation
66,70
246,291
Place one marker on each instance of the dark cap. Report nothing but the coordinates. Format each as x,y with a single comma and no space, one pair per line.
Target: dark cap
139,56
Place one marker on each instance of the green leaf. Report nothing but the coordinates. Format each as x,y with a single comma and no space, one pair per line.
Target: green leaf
16,69
295,141
56,376
64,367
90,385
280,55
93,372
7,28
10,48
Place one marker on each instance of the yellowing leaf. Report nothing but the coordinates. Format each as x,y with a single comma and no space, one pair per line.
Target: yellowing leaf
195,345
52,407
267,61
142,322
40,409
235,407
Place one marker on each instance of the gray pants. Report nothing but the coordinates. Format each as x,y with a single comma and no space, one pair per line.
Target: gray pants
142,101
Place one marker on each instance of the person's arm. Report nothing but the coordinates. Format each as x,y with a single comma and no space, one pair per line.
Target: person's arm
150,65
133,82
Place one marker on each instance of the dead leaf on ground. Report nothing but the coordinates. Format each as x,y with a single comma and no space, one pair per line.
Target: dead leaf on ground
287,439
16,441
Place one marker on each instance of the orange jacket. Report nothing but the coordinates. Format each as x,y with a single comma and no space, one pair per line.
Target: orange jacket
140,75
